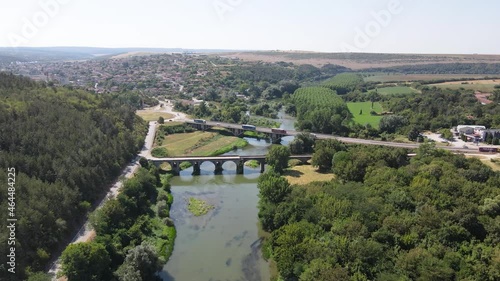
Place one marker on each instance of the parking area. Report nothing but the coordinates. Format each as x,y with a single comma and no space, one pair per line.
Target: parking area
457,142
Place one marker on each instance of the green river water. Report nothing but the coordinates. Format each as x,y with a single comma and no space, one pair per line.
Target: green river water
223,244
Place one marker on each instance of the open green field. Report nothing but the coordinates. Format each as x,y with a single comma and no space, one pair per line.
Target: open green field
365,117
200,144
396,90
385,77
485,86
149,115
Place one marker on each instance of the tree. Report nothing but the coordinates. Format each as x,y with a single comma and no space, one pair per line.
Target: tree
391,123
319,269
273,188
278,157
141,264
40,276
324,151
161,120
413,134
86,262
144,162
296,146
446,134
496,96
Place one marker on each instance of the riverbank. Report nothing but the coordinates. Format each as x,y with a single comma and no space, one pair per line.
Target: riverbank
136,221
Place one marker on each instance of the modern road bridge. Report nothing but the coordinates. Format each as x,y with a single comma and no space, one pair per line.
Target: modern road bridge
237,130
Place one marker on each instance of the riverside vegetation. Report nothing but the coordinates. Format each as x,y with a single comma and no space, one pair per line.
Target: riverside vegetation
385,217
135,235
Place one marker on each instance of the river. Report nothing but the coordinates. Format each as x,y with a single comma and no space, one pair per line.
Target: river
223,244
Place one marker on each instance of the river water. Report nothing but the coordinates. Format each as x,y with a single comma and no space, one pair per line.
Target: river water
223,244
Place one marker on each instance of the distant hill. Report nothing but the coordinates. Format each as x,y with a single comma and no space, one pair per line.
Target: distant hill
27,54
359,61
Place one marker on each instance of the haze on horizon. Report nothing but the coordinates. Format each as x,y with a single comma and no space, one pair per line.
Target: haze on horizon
381,26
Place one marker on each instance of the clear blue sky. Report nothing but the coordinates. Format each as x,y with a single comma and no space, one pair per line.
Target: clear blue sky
415,26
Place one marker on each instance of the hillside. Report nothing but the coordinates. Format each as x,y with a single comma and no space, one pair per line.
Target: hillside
358,61
66,146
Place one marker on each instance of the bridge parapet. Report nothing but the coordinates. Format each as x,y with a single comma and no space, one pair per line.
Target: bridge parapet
218,162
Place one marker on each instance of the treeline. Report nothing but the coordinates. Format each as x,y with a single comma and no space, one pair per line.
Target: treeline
66,146
134,233
442,68
386,217
275,72
234,110
442,108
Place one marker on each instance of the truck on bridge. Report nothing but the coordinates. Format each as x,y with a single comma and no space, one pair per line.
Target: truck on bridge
200,121
278,131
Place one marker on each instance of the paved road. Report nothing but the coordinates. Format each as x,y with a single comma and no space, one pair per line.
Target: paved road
347,140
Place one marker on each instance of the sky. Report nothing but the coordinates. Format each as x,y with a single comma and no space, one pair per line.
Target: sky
377,26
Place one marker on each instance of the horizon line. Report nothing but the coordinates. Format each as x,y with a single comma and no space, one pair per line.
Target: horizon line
246,50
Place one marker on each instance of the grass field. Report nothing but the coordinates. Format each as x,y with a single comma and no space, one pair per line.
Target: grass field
200,144
305,174
396,90
149,115
485,86
365,117
384,77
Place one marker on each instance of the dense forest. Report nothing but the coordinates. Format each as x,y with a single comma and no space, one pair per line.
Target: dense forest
66,146
386,217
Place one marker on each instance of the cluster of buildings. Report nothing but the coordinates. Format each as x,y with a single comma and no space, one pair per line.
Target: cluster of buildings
156,74
476,133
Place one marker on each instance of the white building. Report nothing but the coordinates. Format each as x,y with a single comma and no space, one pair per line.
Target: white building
470,129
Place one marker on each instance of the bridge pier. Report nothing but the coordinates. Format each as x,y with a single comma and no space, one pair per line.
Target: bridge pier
240,167
236,132
218,167
196,168
262,166
276,138
176,169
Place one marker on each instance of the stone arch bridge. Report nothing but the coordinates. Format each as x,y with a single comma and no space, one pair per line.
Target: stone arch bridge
218,161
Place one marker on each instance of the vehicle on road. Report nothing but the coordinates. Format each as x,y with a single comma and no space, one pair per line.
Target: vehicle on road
249,127
278,131
488,149
200,121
